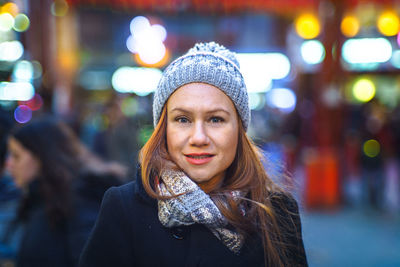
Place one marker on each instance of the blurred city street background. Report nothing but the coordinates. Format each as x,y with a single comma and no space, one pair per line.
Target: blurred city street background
351,237
322,75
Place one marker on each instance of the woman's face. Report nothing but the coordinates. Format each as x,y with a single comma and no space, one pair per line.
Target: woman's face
202,132
21,163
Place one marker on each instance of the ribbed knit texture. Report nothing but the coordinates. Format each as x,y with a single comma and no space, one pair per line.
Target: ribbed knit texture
193,205
208,63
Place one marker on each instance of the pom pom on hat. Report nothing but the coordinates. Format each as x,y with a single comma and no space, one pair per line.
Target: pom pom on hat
213,47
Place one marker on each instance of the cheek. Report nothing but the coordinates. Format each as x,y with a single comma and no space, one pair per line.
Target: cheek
230,147
14,166
29,169
172,140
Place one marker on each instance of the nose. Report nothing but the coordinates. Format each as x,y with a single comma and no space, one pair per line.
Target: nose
199,135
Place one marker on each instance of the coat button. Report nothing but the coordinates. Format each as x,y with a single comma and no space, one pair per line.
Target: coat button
178,233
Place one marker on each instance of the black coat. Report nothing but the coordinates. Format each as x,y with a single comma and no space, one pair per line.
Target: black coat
42,244
129,233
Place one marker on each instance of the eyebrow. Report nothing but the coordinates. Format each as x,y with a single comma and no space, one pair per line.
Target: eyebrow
178,109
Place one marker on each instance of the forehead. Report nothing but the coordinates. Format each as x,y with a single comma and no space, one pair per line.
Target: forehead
15,146
200,95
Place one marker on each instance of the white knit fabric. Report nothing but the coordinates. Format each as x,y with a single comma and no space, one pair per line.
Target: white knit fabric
193,205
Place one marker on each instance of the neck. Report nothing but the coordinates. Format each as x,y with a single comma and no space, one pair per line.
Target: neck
211,184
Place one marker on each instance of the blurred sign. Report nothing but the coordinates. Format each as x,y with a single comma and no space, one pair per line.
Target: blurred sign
204,5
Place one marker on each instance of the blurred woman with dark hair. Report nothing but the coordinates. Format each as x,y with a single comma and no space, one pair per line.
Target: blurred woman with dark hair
63,184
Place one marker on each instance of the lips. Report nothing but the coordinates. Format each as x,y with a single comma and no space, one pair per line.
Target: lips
198,158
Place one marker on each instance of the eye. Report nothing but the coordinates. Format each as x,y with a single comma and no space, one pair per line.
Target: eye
182,120
216,119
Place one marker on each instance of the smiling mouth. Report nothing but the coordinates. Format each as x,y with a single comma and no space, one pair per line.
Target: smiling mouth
199,156
199,159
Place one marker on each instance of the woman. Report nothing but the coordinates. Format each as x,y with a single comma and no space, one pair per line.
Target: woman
63,185
202,197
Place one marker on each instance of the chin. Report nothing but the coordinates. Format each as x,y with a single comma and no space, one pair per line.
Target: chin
198,178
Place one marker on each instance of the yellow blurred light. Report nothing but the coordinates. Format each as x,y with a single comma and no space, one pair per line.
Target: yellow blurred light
350,26
10,8
21,23
307,26
371,148
59,8
364,90
158,64
68,60
388,23
6,22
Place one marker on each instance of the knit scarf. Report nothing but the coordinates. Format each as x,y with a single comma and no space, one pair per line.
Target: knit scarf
192,205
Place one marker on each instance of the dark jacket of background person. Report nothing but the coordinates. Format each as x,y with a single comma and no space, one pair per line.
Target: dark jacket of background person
44,244
9,196
128,233
60,206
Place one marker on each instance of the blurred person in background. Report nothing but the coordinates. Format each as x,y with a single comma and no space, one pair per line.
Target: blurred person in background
118,139
63,184
9,196
202,196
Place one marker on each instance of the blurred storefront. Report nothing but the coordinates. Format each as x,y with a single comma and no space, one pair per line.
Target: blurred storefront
322,76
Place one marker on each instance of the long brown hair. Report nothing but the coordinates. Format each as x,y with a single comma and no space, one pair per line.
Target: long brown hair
246,173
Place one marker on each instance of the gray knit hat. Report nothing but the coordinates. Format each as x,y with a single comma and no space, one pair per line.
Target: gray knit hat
209,63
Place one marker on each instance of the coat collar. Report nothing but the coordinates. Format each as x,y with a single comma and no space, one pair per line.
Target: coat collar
139,188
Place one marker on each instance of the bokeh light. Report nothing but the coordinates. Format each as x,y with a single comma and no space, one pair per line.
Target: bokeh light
21,23
152,52
146,41
256,101
331,97
10,8
23,71
59,8
35,103
388,23
307,26
395,60
254,70
283,99
364,90
398,38
158,64
366,50
144,134
22,91
371,148
95,79
313,52
11,51
131,44
37,69
129,106
141,81
160,31
23,114
350,26
6,22
259,69
139,24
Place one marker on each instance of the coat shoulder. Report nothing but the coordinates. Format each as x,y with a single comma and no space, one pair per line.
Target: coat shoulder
284,202
287,214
